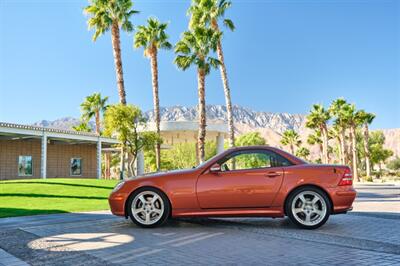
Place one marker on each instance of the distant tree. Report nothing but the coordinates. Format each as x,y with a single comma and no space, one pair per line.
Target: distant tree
93,106
353,118
250,139
318,119
340,126
112,15
194,48
334,133
183,155
315,139
394,164
303,152
209,13
82,127
123,122
152,38
366,119
291,138
379,154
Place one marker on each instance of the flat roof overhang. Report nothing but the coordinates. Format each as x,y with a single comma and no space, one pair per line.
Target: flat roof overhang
16,131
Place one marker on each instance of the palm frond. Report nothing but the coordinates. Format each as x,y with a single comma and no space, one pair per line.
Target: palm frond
229,24
214,62
103,13
184,62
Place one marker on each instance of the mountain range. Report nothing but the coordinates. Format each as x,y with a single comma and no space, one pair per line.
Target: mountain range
270,125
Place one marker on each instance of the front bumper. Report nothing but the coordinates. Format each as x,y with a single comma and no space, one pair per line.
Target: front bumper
117,203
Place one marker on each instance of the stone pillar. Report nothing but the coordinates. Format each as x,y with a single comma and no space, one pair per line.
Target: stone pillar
220,143
43,163
140,163
99,159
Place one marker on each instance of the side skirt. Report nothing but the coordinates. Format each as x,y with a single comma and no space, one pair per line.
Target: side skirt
264,212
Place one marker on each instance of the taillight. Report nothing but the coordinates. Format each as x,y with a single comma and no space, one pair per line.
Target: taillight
347,178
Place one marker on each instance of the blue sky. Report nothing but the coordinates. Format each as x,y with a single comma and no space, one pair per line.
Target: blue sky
283,57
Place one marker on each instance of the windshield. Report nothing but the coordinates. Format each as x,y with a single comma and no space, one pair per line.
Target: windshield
205,162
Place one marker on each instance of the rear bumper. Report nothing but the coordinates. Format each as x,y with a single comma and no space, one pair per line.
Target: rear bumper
343,200
117,203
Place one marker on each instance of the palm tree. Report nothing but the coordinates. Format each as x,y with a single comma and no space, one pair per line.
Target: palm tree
208,13
303,152
152,38
354,120
82,127
291,138
93,106
316,139
194,49
112,14
366,119
335,133
336,110
318,119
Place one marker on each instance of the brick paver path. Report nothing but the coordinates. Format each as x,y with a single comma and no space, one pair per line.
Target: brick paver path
98,238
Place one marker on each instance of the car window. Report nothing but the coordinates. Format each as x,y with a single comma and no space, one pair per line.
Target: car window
253,160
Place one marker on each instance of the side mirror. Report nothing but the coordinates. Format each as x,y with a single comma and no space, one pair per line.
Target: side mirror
215,168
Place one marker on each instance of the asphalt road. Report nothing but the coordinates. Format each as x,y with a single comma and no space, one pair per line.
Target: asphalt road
377,200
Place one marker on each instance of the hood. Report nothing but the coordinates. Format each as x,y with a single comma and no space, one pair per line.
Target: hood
164,174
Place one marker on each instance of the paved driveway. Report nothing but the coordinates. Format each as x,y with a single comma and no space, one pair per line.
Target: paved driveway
368,236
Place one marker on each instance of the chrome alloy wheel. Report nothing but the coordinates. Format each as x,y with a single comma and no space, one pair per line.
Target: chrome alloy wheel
147,207
309,208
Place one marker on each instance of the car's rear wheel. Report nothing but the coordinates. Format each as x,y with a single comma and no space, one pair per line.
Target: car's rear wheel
308,207
148,207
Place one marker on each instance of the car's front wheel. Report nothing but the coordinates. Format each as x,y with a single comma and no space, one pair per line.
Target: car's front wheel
148,207
308,207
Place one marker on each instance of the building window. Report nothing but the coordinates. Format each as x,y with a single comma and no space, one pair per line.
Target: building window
76,166
25,165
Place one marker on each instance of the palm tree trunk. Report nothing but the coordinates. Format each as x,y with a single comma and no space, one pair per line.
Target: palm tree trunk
292,148
227,93
321,151
115,39
354,152
366,150
156,103
202,114
339,139
98,122
343,148
324,132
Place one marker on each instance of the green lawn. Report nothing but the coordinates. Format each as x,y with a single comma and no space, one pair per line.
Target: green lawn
37,196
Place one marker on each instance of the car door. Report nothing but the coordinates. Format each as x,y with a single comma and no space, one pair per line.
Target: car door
252,181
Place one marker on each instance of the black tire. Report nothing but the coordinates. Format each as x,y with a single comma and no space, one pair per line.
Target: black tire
166,204
290,212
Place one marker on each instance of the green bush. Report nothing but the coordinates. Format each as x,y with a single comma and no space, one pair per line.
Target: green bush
394,164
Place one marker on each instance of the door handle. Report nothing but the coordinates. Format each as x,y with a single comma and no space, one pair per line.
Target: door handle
272,174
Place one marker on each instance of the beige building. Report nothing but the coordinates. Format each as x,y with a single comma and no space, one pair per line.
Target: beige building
38,152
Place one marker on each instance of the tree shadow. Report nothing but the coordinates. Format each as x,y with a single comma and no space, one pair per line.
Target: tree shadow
17,212
50,196
58,183
376,195
384,215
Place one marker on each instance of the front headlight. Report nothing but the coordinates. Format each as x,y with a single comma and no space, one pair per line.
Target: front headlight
118,186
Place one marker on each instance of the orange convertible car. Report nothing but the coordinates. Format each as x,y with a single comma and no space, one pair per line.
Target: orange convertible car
247,181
